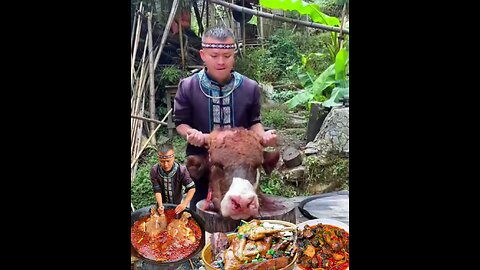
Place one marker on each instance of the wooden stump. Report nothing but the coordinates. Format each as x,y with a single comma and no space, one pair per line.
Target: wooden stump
215,222
291,157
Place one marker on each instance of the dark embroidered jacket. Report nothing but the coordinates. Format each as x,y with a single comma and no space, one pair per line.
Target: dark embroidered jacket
180,178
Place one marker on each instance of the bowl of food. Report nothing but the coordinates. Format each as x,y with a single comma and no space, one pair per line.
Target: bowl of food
258,243
323,243
168,240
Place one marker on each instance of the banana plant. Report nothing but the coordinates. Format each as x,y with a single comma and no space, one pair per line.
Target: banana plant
328,88
304,8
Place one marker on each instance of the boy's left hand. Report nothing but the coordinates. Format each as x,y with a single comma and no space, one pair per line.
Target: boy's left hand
179,208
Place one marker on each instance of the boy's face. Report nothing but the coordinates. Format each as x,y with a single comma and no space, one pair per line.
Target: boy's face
166,160
219,62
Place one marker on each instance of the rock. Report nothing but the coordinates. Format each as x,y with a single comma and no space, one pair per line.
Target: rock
334,133
295,175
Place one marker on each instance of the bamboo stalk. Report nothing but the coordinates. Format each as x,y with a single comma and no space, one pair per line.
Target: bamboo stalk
148,140
167,29
280,18
341,25
135,46
148,119
261,28
151,76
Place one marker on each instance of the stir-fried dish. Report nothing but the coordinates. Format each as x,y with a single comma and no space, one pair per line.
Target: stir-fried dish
164,238
257,245
323,247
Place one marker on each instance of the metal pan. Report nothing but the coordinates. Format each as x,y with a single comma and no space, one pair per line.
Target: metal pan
145,211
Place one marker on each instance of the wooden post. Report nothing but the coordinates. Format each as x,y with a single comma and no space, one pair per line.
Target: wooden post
243,28
261,28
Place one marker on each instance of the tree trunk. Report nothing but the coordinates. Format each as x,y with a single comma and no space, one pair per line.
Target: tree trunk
215,222
315,120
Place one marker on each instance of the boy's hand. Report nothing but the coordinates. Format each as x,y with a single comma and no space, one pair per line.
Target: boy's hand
180,208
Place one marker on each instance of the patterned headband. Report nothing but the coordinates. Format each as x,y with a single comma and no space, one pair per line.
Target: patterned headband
165,157
218,45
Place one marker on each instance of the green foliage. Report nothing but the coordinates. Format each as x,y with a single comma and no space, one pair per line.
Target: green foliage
179,144
270,64
141,190
332,7
258,65
315,42
171,75
329,87
302,7
274,118
283,48
275,185
333,172
283,96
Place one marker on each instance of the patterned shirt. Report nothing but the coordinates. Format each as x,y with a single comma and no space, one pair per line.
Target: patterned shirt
204,104
170,185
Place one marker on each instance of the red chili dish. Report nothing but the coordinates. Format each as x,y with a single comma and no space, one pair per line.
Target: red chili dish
163,247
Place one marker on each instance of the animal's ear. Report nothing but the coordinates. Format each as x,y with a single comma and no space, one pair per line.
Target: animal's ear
270,160
196,166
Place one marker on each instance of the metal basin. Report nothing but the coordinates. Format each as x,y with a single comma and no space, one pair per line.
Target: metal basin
151,264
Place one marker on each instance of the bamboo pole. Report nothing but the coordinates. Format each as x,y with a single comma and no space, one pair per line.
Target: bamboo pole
148,140
151,76
167,29
261,28
341,25
148,119
135,46
280,18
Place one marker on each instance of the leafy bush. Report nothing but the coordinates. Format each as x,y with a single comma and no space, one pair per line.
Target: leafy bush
275,185
283,49
141,191
274,118
283,96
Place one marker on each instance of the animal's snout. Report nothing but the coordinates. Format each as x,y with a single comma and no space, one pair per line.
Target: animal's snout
240,202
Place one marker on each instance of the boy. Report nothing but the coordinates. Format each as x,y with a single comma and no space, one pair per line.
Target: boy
168,177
